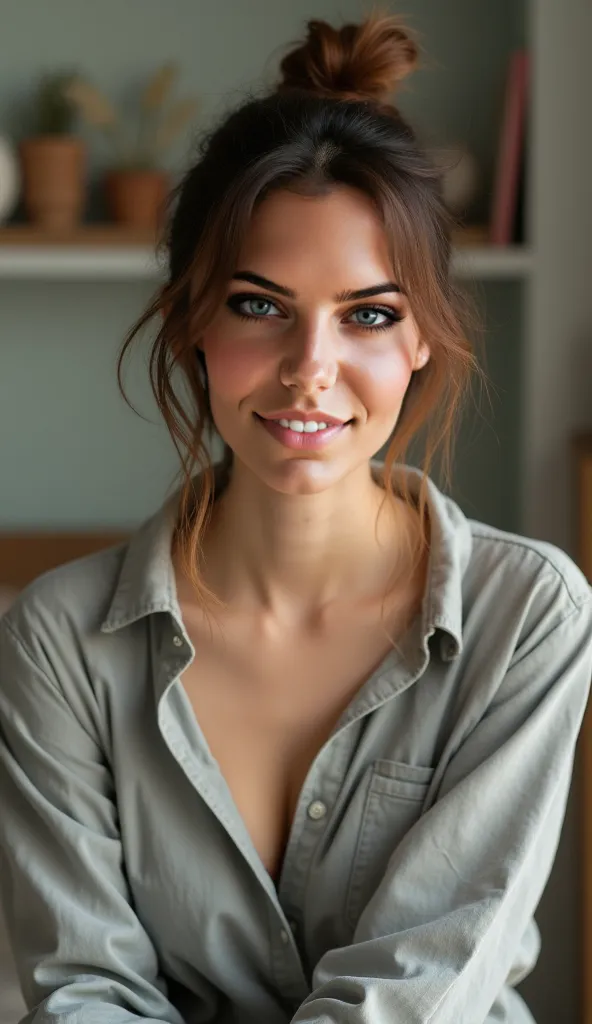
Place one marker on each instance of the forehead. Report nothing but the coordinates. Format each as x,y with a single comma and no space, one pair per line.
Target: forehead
340,232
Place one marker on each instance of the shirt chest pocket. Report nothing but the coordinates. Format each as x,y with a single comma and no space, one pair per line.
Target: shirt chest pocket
393,804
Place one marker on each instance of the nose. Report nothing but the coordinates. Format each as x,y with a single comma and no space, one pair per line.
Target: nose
311,363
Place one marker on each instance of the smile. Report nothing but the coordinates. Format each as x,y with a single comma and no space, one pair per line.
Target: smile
302,435
302,426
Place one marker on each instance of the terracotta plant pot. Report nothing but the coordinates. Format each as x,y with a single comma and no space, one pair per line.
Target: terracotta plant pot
137,198
54,185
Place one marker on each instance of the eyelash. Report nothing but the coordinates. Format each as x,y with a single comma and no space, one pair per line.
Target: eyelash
236,300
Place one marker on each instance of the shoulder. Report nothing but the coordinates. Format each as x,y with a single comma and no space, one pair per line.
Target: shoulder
65,604
506,593
499,568
487,555
526,595
518,560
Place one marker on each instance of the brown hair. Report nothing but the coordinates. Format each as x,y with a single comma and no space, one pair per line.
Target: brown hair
331,121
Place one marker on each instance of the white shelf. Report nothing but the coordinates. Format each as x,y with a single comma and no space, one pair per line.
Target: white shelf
138,263
77,262
491,261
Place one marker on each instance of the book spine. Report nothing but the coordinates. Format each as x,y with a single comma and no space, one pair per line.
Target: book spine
511,142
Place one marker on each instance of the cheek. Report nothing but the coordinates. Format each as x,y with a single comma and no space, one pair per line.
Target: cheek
233,370
382,380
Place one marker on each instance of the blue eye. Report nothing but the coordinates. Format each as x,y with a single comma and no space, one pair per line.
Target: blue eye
390,317
235,302
260,306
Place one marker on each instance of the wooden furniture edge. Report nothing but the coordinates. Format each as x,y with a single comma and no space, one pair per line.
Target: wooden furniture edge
23,556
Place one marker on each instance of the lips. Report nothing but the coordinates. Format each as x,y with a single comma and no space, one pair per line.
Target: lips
299,440
305,417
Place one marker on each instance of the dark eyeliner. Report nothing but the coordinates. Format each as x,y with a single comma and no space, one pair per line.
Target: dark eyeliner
388,311
234,301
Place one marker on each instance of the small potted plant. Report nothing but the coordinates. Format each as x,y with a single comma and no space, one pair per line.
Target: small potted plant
136,183
53,159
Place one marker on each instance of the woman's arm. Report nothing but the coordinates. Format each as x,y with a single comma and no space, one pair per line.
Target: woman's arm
81,952
437,941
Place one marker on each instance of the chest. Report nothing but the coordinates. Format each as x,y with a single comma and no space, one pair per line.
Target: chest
266,708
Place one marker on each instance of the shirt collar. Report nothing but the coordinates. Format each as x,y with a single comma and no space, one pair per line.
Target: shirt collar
146,581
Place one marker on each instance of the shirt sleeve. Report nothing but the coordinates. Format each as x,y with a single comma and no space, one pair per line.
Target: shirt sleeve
81,953
438,938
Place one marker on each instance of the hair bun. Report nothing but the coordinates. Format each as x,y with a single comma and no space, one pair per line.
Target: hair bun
360,62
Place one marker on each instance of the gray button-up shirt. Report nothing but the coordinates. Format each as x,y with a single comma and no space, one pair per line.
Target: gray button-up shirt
424,834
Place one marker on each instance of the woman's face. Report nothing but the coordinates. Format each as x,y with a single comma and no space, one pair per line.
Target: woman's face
288,342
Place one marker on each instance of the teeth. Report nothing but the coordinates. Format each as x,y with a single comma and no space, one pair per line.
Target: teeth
310,427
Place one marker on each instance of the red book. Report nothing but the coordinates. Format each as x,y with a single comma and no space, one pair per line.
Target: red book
510,150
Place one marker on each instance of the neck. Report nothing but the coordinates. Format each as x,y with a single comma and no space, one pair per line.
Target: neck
294,556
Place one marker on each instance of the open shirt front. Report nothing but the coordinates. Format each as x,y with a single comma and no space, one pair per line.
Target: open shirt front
425,829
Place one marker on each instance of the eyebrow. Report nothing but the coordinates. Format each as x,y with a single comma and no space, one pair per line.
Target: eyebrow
346,296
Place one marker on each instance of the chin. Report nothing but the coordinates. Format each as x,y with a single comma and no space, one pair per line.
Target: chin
304,475
298,472
301,474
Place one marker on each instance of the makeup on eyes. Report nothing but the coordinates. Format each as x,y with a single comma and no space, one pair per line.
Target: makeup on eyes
236,300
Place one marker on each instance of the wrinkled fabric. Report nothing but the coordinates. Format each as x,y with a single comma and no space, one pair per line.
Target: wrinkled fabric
424,834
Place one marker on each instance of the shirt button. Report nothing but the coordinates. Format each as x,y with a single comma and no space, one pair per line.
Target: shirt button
284,935
316,810
177,641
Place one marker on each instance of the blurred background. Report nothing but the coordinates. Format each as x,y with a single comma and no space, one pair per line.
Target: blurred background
101,108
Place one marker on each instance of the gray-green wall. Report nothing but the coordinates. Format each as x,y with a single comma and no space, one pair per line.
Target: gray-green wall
71,453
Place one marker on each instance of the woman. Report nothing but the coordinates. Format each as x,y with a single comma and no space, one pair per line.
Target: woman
301,749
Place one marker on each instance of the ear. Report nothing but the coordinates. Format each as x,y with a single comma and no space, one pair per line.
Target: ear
422,356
